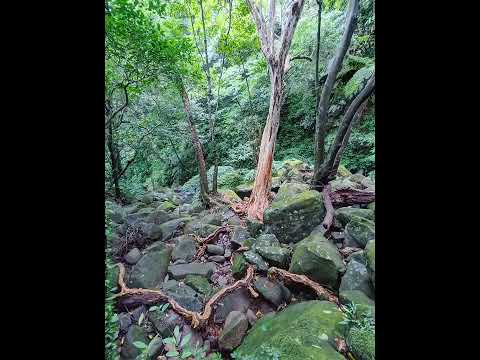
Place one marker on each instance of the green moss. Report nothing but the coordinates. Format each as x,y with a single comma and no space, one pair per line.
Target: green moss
302,331
361,342
239,266
167,206
199,284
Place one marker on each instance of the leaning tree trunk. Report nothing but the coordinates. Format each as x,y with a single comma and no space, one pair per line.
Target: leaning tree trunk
328,170
197,145
276,57
324,102
114,160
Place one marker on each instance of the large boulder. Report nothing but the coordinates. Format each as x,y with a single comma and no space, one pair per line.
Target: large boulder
182,270
184,295
357,278
370,259
129,351
306,331
149,272
319,259
359,231
345,214
294,212
233,331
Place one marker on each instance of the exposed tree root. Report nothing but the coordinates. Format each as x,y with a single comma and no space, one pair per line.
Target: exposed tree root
347,197
302,279
204,242
197,319
327,200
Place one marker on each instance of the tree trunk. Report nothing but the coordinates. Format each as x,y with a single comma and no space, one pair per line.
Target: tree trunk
317,54
114,160
327,171
211,120
277,59
263,178
324,102
196,145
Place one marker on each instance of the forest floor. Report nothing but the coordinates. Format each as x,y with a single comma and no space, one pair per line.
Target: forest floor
191,259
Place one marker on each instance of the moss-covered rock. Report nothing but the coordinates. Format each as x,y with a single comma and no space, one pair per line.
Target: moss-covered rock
342,171
363,303
230,195
359,231
357,278
304,331
184,295
239,235
294,213
129,351
199,284
275,255
167,206
319,259
170,228
239,266
185,249
253,258
370,259
244,190
345,214
361,342
199,227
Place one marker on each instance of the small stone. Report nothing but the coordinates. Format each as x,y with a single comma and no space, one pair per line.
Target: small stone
275,255
124,320
215,249
133,256
255,259
274,292
202,269
238,300
185,249
217,258
228,253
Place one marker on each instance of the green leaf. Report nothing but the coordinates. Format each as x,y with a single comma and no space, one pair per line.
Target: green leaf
114,318
170,340
153,308
176,332
139,345
185,339
140,319
186,354
172,353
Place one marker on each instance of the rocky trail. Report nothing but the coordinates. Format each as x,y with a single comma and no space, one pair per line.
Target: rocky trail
198,284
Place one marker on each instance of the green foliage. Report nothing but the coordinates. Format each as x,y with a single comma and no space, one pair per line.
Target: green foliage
361,342
179,346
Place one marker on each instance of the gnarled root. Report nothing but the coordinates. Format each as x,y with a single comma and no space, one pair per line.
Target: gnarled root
197,319
302,279
203,242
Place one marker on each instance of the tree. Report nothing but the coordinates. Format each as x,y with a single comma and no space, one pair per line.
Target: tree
277,62
323,104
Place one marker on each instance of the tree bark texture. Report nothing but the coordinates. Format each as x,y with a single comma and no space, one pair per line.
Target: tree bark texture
276,59
197,145
327,170
324,102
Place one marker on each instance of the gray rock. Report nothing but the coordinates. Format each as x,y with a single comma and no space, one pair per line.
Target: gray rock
165,322
238,300
158,217
124,321
152,231
129,351
358,256
357,278
215,249
150,270
228,253
275,255
133,256
196,339
170,228
184,295
203,269
234,330
251,317
185,249
274,292
239,235
319,259
294,212
199,227
370,260
255,259
217,258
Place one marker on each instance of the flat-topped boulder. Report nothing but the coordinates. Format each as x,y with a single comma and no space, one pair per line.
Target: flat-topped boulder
182,270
